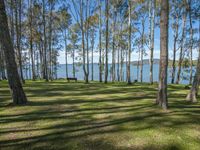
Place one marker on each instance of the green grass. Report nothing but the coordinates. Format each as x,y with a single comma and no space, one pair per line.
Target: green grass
78,116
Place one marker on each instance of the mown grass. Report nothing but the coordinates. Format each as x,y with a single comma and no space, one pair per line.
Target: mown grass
78,116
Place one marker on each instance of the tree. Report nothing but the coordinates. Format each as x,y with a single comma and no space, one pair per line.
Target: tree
182,42
192,95
175,27
107,40
151,35
129,46
100,48
16,89
162,87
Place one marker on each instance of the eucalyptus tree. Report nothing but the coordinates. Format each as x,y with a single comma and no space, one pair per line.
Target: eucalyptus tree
142,15
152,7
92,26
73,38
80,14
65,22
129,44
107,40
176,14
100,34
192,95
182,40
162,99
17,92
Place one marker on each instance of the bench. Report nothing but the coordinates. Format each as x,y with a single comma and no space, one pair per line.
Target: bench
75,79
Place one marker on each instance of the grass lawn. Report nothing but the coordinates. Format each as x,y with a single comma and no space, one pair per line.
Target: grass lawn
78,116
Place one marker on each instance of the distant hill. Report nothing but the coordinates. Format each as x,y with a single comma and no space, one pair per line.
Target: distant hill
146,62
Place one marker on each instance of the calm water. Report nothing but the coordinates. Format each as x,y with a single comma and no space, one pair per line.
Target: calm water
80,75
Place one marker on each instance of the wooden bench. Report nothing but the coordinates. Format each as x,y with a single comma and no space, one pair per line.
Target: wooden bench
75,79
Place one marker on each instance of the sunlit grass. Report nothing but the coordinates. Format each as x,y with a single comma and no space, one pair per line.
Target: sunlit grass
96,116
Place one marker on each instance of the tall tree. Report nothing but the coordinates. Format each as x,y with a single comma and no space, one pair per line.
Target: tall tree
175,28
16,89
129,45
151,35
162,87
107,40
192,95
182,43
100,47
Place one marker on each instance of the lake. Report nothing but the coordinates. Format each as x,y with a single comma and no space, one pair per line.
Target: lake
80,75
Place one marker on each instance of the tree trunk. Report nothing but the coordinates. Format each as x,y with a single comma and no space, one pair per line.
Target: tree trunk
162,88
83,41
16,89
174,48
45,72
113,48
151,36
142,51
66,55
192,95
129,48
182,46
100,64
107,38
191,42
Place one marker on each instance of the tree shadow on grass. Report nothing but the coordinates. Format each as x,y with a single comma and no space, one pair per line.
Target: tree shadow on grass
79,124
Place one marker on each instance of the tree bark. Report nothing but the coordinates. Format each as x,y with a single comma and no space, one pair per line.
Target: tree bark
106,63
129,47
17,92
162,88
192,95
174,48
191,42
151,36
100,52
182,46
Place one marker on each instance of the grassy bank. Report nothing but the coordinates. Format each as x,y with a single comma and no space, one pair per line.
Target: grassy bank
78,116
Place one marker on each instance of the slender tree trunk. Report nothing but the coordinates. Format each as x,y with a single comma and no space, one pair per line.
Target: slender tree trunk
118,61
142,52
129,48
192,95
138,63
74,62
50,68
151,36
16,89
83,41
174,48
106,64
66,54
113,49
18,36
181,47
45,72
162,88
92,44
191,42
100,52
31,41
87,41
